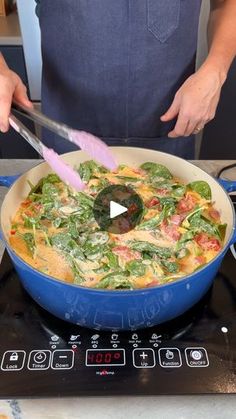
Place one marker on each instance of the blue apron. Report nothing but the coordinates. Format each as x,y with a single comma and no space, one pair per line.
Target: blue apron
112,67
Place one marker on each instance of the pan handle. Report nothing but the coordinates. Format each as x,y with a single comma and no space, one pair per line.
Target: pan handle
8,180
228,185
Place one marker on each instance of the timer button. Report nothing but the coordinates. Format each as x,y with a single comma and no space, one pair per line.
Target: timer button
144,358
39,360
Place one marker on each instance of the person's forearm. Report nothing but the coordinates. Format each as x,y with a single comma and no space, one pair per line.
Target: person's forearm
222,35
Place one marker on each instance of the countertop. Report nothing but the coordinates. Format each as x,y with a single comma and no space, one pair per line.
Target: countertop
10,33
161,407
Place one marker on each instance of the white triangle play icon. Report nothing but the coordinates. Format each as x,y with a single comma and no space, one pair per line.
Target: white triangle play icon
116,209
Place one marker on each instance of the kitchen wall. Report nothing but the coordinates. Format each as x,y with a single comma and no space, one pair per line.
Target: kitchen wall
31,41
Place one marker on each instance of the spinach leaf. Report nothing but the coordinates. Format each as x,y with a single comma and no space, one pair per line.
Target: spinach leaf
83,199
78,278
136,268
57,222
37,189
93,252
171,267
129,179
142,246
222,230
30,242
167,200
98,237
151,223
158,170
29,222
115,280
178,190
113,260
201,187
187,236
101,184
88,168
202,224
49,190
64,242
103,268
154,222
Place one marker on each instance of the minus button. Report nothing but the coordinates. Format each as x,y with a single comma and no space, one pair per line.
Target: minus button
63,359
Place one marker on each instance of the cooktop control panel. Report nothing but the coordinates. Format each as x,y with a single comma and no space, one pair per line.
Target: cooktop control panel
138,357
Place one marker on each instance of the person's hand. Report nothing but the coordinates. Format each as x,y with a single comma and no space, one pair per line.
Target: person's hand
11,87
195,102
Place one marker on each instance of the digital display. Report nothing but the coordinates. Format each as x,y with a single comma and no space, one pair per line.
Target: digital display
105,357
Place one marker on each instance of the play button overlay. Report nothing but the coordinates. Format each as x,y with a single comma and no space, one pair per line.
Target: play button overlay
118,209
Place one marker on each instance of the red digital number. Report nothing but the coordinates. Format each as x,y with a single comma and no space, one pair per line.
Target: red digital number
108,358
90,358
99,358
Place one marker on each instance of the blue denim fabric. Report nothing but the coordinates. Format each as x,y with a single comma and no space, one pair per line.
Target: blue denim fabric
112,67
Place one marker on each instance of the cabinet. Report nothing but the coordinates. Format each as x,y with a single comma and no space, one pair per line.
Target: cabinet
219,137
12,145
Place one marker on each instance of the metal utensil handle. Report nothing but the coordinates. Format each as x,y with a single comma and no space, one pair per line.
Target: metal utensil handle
26,134
38,117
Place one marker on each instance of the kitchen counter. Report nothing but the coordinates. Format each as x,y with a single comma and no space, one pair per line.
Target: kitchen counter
161,407
10,30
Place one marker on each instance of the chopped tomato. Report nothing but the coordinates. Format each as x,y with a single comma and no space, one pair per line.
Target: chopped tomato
139,171
214,214
26,203
152,202
170,230
200,260
38,207
153,283
207,243
176,219
13,232
162,191
126,253
186,204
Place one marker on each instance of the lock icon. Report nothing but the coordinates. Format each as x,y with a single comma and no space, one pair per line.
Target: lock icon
14,356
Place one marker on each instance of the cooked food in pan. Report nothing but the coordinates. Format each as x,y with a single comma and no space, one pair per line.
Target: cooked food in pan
55,231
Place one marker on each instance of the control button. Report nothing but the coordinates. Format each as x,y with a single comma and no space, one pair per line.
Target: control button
118,209
169,357
13,360
39,360
144,358
196,357
62,359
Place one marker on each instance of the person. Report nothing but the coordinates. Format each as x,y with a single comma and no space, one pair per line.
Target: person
124,70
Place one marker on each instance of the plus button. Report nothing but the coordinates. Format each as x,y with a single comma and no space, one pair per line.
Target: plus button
143,355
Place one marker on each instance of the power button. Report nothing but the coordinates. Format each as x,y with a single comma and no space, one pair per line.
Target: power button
196,357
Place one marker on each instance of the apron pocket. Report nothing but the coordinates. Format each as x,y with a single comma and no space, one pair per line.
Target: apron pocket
163,18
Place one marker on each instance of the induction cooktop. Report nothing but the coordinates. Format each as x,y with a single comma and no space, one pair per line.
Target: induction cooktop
42,356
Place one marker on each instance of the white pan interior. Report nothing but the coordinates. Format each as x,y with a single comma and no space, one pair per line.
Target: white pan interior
126,155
